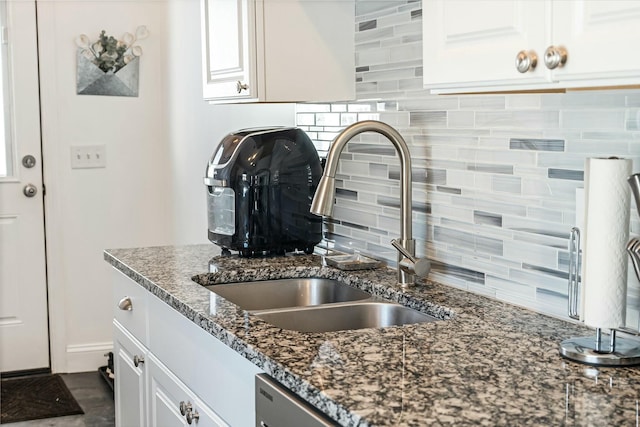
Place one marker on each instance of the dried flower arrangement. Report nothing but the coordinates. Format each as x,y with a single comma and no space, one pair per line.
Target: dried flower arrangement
110,54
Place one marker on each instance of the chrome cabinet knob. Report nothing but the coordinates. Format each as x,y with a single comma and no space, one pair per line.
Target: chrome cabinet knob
30,190
526,61
125,304
555,56
185,407
241,86
138,360
192,416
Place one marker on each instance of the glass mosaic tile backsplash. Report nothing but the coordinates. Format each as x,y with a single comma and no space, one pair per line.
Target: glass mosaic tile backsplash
494,176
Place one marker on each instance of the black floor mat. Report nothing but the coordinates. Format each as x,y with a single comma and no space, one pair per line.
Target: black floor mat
36,397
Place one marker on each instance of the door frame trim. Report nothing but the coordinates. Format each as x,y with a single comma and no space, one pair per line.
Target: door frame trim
52,174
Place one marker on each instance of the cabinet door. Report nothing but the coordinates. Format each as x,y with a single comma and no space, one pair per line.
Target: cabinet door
228,43
167,394
475,43
600,37
130,384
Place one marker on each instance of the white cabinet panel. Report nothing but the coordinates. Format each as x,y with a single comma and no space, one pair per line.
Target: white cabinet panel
133,314
163,411
308,50
598,36
166,395
460,48
471,45
130,382
216,373
228,42
278,51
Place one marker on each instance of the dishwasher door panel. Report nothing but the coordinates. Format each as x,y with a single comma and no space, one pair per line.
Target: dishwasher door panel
278,407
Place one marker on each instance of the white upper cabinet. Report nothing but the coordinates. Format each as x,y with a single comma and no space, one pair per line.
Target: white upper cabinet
229,33
278,50
472,42
494,45
600,38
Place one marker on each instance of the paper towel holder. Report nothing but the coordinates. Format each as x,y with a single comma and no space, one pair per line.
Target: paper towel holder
589,350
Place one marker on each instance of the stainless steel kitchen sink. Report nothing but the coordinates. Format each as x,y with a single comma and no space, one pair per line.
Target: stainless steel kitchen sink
316,305
339,317
296,292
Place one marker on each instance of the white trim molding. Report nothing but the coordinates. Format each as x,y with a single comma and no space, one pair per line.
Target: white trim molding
87,357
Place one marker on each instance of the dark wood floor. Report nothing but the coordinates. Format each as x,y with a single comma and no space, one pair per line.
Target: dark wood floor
94,397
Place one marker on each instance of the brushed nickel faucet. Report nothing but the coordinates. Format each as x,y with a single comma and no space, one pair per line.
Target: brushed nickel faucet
408,265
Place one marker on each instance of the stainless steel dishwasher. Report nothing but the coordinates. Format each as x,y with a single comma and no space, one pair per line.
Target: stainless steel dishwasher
276,406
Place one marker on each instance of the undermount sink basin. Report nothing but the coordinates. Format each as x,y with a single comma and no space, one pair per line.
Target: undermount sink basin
297,292
316,305
346,316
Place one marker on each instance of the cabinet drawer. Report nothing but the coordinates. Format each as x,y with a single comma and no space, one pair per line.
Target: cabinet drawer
135,318
218,375
169,398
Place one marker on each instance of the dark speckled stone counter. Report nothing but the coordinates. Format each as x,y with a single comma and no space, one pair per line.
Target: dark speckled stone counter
486,363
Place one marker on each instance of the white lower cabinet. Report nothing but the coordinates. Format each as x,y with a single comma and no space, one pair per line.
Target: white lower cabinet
169,372
130,384
171,403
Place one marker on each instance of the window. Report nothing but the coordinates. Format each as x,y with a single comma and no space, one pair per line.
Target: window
6,145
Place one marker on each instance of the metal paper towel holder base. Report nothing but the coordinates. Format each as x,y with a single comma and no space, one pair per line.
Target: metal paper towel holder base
621,351
589,350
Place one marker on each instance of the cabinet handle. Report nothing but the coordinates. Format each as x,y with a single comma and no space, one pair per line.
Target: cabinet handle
138,360
185,407
241,86
555,56
526,61
125,304
191,416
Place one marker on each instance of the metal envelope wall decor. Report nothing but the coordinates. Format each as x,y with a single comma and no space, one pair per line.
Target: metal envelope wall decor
91,80
109,66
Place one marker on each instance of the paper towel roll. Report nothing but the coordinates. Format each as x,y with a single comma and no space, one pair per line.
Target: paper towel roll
606,233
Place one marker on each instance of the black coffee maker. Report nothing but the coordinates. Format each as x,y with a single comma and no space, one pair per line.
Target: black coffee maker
260,183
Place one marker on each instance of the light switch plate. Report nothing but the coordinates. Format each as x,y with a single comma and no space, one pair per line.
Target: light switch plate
88,156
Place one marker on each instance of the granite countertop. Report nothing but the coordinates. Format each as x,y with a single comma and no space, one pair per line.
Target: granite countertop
487,363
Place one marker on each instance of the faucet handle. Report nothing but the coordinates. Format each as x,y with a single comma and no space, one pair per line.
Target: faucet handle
418,266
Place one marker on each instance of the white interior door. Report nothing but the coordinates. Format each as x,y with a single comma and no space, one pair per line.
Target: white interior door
24,337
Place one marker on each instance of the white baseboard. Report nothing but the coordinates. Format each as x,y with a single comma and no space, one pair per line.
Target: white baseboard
87,357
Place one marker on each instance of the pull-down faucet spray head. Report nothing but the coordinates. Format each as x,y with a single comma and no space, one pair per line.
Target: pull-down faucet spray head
322,203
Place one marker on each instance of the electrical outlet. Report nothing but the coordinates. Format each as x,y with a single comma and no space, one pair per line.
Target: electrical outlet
88,156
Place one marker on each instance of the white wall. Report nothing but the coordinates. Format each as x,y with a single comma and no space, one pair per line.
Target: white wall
157,145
